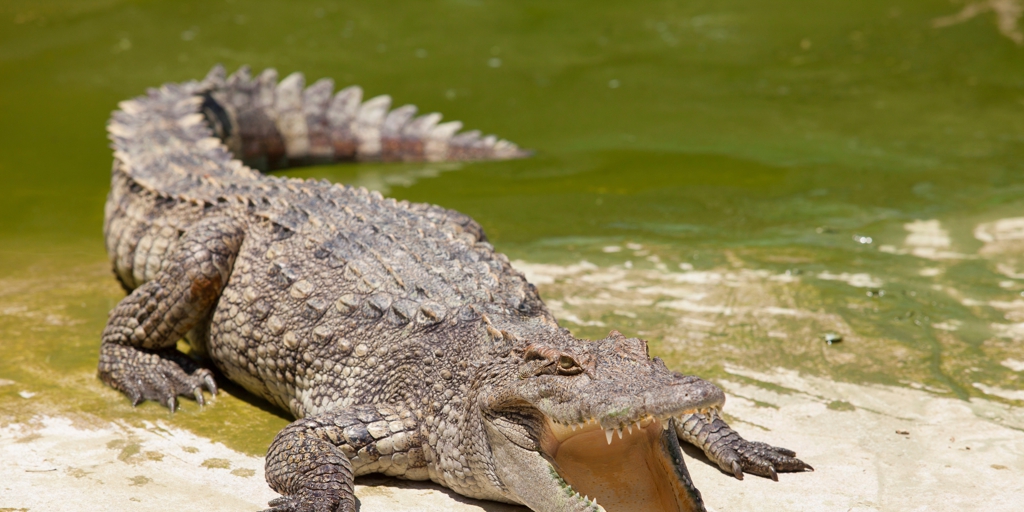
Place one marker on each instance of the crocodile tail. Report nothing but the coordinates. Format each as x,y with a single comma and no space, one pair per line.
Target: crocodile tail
271,125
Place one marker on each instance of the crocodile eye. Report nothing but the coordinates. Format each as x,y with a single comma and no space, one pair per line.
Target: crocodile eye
568,366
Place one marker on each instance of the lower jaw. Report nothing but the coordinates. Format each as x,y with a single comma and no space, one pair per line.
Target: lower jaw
629,474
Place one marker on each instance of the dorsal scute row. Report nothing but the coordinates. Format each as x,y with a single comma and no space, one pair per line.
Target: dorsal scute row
282,124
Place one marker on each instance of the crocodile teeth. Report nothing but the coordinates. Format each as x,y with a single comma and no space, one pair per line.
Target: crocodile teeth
573,427
608,435
619,430
629,426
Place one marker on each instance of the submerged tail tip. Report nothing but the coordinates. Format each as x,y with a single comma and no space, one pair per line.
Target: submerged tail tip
506,150
518,153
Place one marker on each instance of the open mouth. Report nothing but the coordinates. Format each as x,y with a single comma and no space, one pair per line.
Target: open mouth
635,468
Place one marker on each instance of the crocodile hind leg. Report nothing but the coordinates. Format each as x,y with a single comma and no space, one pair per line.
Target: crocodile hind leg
735,455
137,356
313,461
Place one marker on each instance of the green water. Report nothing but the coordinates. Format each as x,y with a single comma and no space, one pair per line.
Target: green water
753,138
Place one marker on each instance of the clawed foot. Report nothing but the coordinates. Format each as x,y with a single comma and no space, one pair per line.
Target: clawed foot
725,447
760,459
154,375
311,501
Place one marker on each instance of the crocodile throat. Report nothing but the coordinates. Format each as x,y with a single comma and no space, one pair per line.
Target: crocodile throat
622,470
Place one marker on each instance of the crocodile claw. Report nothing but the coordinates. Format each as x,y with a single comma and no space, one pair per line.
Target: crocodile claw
737,470
161,376
210,384
760,459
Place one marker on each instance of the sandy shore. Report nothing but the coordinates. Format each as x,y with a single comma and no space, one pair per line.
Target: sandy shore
873,447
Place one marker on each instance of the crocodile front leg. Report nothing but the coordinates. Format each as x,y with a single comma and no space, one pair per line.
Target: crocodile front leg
137,356
313,461
735,455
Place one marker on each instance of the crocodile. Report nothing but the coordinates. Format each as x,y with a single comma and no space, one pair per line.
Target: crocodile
393,332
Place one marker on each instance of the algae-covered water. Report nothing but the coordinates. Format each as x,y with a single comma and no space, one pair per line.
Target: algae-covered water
735,180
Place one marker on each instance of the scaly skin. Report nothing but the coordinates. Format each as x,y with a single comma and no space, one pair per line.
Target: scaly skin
402,342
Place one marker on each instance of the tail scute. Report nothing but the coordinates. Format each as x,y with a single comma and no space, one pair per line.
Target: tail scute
216,78
315,102
341,115
291,116
367,127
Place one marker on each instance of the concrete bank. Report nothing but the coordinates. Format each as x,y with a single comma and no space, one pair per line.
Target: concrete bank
873,448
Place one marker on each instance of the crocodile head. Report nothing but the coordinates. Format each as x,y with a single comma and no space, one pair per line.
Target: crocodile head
588,425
